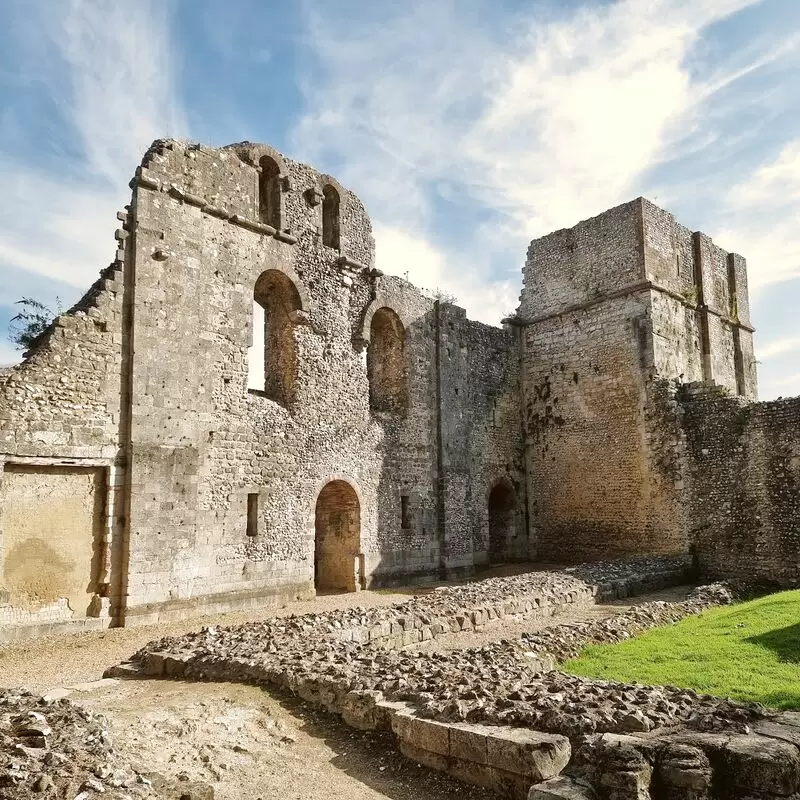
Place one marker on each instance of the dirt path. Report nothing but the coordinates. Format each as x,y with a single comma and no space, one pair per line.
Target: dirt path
513,629
248,744
63,660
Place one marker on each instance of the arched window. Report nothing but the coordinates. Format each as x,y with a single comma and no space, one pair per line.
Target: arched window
330,217
386,362
271,357
269,192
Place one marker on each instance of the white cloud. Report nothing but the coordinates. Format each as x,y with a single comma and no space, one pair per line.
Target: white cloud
108,69
761,216
416,260
542,129
779,347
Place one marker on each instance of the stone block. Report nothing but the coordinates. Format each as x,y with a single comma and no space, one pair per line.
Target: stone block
537,755
358,709
758,763
561,788
423,756
385,711
684,767
468,742
470,772
430,735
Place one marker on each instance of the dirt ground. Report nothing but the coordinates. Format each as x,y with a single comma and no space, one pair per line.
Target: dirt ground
243,740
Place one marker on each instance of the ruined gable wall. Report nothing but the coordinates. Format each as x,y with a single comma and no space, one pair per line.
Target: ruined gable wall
202,442
602,466
744,486
60,419
700,309
63,400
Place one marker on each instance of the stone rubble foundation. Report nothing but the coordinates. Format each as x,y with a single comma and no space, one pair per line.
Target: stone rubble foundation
501,715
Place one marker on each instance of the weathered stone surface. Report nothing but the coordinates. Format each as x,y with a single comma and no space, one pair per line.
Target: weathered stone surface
760,764
54,748
686,772
539,756
561,788
375,408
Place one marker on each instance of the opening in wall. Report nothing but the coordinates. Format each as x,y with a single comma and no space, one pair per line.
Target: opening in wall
330,217
252,514
269,192
386,363
271,356
405,512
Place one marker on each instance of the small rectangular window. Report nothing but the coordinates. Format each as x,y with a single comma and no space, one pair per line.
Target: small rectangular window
252,514
405,514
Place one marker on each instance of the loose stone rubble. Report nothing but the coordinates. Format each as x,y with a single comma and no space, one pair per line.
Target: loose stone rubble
505,696
54,748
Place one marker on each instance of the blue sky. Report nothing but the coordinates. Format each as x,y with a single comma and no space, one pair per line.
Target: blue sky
468,127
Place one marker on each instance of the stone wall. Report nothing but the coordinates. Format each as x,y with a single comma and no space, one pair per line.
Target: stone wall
593,484
700,306
616,310
744,486
61,416
220,374
242,352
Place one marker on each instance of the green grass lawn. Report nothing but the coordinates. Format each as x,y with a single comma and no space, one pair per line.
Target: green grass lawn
748,651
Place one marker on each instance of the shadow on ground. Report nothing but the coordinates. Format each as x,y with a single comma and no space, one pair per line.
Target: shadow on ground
373,759
784,642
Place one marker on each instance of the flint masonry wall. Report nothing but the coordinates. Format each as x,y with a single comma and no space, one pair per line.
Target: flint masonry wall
480,436
215,485
563,432
744,485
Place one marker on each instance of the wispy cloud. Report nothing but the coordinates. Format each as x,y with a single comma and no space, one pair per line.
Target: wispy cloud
761,215
108,75
779,347
538,129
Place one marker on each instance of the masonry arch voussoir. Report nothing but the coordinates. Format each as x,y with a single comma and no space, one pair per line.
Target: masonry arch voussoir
251,153
289,272
381,301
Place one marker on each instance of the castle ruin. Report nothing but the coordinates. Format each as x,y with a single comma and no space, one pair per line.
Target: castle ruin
243,410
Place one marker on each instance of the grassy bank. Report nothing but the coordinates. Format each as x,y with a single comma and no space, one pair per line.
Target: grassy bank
748,651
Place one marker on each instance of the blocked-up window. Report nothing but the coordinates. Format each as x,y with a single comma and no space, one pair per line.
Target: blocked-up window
272,364
386,363
269,192
330,217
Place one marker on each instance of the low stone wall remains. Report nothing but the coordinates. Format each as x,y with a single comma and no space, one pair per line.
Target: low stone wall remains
498,716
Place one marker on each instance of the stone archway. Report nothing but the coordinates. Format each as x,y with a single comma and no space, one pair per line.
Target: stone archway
337,538
502,523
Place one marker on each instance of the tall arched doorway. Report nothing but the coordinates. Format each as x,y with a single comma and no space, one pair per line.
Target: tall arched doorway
503,545
337,538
